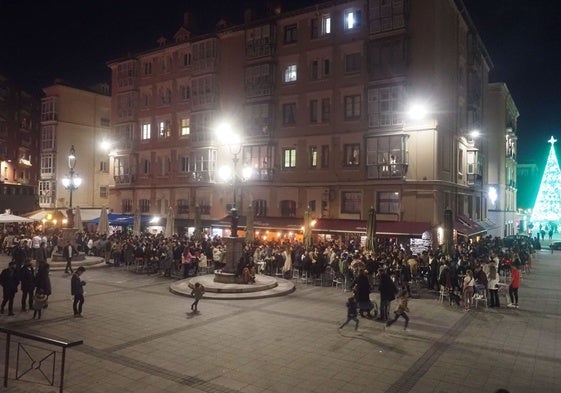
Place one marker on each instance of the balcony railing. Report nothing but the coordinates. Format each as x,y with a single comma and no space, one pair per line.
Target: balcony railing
263,174
387,171
121,180
474,179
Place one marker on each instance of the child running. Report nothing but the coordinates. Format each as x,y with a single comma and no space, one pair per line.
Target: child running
197,292
401,310
39,302
351,313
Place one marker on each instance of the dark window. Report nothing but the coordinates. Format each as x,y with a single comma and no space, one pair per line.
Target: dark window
351,202
352,154
352,107
288,208
313,111
289,114
260,208
290,34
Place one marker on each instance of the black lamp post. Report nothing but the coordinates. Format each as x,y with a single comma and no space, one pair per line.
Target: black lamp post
71,183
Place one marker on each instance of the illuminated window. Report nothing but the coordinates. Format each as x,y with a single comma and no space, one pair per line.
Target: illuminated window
313,156
289,158
164,128
185,126
290,73
321,26
352,19
146,131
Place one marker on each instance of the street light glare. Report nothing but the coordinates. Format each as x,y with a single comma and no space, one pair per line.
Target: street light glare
225,173
417,111
474,133
247,172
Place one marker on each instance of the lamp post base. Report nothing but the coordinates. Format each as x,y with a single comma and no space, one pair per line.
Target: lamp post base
234,251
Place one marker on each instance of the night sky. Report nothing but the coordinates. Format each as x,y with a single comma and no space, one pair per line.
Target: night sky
73,40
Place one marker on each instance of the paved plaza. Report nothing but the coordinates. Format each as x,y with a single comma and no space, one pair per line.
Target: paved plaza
139,337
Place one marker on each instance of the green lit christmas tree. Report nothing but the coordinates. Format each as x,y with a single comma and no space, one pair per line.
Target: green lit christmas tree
548,201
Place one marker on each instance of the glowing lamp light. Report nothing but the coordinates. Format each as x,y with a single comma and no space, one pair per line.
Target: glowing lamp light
155,220
225,173
417,111
105,145
493,195
474,134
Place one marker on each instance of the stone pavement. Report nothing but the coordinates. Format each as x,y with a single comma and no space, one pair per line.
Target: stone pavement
138,337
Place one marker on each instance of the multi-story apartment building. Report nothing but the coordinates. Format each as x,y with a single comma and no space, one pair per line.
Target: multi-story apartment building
79,118
321,97
528,178
19,137
501,126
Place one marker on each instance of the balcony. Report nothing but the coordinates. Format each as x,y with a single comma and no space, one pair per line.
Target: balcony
475,179
387,171
201,177
262,174
124,180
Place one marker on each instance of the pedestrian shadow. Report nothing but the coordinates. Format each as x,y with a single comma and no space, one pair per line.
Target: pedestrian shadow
192,314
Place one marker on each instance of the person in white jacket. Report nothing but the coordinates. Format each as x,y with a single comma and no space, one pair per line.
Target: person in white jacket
493,287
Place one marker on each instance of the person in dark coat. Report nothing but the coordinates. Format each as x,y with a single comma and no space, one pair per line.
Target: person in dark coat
42,280
20,255
361,287
9,281
387,294
27,280
77,290
68,252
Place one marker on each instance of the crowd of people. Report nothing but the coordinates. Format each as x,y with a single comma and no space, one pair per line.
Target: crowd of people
471,269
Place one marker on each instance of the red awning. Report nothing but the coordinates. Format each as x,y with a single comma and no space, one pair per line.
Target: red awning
273,223
398,228
467,227
332,225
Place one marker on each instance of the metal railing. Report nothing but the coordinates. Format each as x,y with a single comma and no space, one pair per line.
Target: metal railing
36,364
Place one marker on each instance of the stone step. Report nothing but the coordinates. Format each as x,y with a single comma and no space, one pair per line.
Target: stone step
87,262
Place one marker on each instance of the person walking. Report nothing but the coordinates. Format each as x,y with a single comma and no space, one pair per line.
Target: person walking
77,290
514,285
468,288
68,253
402,310
27,280
361,287
387,294
39,302
493,287
197,292
351,313
9,281
42,279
